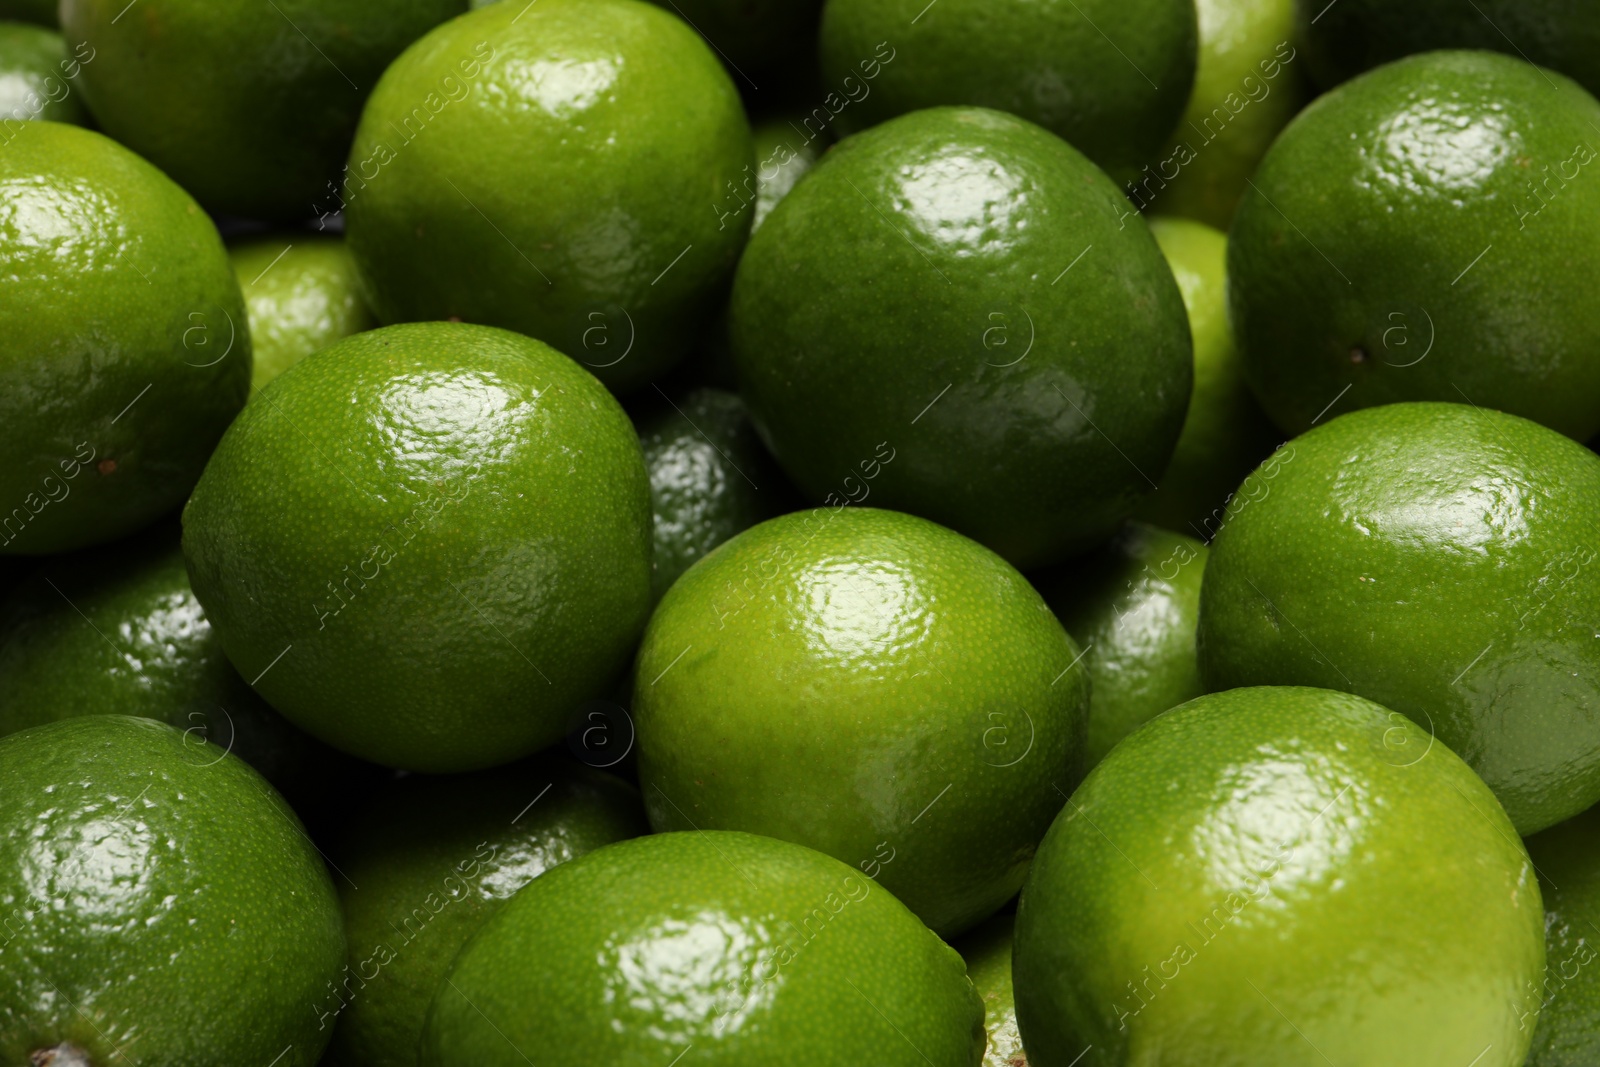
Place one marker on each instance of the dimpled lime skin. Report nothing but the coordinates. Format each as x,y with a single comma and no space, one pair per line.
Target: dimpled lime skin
543,168
121,633
1110,76
249,106
145,874
871,685
710,477
1247,87
1276,875
1225,433
302,294
444,532
1432,255
1438,559
36,75
1567,1003
964,292
1355,35
786,150
1132,605
987,951
717,947
124,351
433,858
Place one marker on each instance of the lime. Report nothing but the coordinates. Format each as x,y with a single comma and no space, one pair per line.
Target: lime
1436,558
573,176
871,685
1225,434
124,351
1110,76
121,634
956,315
1345,39
430,860
1132,605
987,951
1247,87
714,948
144,872
427,544
1264,877
1425,232
707,473
36,78
249,106
1566,1004
302,294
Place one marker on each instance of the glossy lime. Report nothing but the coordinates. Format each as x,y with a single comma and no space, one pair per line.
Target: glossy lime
144,873
714,948
37,78
1428,231
427,544
120,633
1438,559
568,170
1242,882
1248,85
1345,40
987,951
710,477
249,106
302,294
874,686
429,860
1110,76
963,292
124,352
1565,1006
1132,605
1225,433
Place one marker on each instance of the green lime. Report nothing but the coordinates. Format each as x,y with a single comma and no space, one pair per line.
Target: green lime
1438,559
786,148
712,948
871,685
162,904
1225,433
1110,76
956,315
575,177
36,78
1345,39
1132,606
121,633
1566,1004
1426,232
430,860
41,12
1247,87
987,951
777,38
249,106
427,544
710,477
302,294
1263,877
124,351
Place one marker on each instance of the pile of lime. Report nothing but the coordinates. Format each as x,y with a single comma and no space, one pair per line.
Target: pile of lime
799,533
